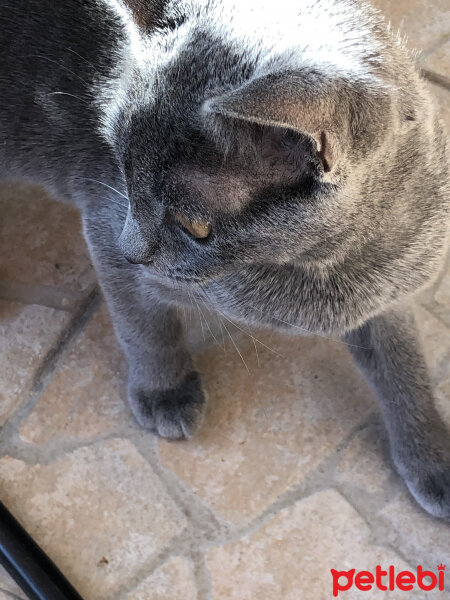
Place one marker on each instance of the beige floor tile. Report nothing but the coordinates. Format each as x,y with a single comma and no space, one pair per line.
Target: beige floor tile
290,557
49,249
87,395
424,22
100,513
173,581
365,465
423,539
27,333
267,428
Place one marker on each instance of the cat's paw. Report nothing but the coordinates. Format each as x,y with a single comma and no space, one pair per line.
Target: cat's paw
431,489
174,413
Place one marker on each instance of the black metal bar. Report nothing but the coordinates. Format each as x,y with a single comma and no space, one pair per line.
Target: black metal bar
28,564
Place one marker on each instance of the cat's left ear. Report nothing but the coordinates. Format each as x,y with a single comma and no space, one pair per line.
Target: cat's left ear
338,114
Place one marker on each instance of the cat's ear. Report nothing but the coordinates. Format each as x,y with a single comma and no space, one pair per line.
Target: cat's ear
333,112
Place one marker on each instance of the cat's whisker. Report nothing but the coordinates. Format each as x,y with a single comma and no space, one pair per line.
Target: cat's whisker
248,332
302,329
182,306
55,62
321,335
219,323
207,324
108,186
184,315
254,339
307,331
122,206
256,349
234,344
82,58
191,309
223,345
222,337
222,333
199,315
67,94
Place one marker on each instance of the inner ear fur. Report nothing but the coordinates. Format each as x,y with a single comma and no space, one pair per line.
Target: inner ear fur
338,114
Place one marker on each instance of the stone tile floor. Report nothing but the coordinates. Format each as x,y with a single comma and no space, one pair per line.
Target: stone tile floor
290,474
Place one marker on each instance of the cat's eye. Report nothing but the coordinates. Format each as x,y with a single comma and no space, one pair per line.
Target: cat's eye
198,228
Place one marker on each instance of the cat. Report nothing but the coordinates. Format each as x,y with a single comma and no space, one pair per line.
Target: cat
281,162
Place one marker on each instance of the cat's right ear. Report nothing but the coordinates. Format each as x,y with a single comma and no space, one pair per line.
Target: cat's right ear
339,115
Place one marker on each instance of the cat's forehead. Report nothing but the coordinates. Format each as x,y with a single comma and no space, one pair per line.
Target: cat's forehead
230,184
224,191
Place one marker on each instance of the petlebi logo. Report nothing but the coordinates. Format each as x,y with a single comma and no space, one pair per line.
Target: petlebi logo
388,580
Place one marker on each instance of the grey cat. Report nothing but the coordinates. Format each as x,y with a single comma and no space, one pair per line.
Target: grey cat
280,161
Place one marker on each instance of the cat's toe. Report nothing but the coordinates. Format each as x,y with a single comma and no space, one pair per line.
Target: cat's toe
432,492
173,413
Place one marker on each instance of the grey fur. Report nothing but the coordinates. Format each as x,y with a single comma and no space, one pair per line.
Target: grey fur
303,133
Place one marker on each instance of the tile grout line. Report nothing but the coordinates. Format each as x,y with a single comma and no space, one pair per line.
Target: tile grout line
202,578
184,545
199,516
323,471
193,548
377,526
374,525
176,547
311,484
47,454
433,77
49,365
69,335
436,311
40,295
188,544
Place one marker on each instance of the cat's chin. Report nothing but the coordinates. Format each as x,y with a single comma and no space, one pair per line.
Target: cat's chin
176,291
171,279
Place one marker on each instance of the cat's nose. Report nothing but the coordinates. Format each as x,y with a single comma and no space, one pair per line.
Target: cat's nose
137,246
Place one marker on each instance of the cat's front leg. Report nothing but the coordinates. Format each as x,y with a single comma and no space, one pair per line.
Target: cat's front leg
387,352
164,390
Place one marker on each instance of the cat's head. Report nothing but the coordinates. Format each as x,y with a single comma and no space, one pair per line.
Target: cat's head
240,149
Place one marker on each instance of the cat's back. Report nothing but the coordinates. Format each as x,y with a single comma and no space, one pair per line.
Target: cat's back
339,32
51,56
